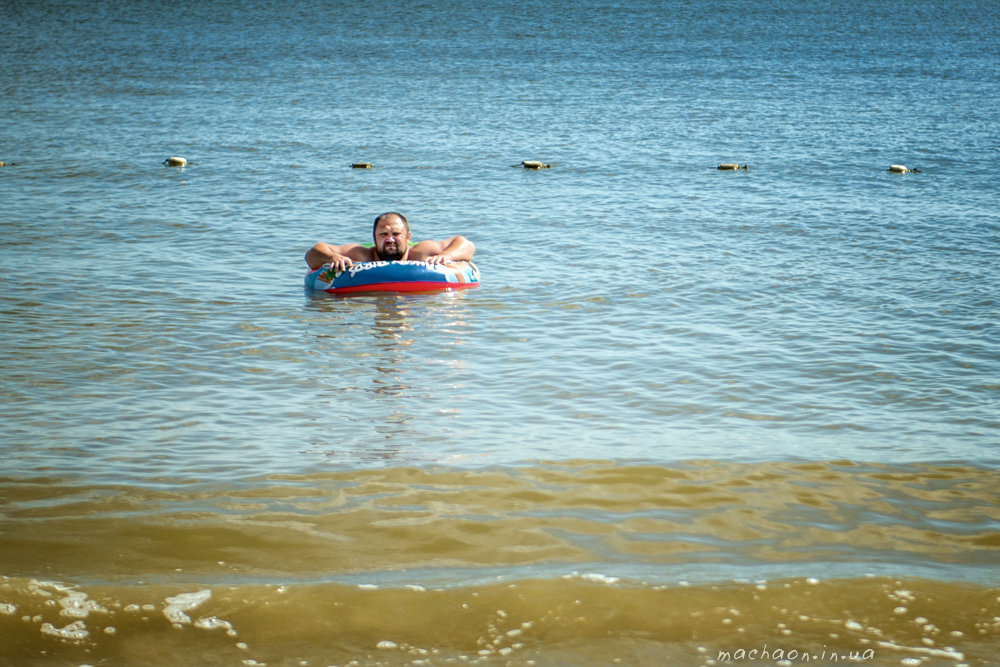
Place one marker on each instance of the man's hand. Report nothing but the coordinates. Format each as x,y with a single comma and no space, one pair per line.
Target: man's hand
340,263
438,259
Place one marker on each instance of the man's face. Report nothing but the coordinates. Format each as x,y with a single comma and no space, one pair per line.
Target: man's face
391,240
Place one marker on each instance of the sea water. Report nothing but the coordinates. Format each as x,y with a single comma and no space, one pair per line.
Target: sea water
689,417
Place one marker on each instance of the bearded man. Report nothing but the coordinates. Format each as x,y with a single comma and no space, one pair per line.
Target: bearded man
391,233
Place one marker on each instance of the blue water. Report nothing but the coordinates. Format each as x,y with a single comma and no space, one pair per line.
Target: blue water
636,302
814,313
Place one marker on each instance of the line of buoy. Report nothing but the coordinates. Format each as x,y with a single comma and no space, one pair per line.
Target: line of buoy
7,164
177,161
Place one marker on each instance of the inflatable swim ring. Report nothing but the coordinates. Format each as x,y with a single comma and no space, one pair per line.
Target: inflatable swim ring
403,276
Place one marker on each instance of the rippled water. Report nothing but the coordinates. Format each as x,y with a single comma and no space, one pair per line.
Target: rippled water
687,411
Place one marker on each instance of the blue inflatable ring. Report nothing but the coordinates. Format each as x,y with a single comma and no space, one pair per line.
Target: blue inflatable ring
404,276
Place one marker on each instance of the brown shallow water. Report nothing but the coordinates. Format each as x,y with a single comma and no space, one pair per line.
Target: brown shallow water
581,561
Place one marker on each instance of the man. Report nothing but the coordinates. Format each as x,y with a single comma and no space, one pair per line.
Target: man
391,233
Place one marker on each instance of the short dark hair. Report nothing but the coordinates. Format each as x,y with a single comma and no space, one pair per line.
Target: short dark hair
378,219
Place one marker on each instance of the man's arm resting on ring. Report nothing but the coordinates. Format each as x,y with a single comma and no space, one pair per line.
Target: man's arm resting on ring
324,253
455,249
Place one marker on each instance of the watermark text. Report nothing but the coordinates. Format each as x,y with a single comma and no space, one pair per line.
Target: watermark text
794,656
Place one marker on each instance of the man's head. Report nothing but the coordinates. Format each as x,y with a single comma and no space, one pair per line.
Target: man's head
391,233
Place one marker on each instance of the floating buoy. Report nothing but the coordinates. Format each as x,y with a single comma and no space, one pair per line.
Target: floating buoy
6,164
902,169
175,162
534,164
361,165
732,166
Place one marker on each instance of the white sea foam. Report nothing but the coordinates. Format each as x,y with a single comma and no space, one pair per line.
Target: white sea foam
177,606
75,631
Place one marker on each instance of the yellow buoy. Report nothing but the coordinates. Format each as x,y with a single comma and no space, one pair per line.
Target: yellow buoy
534,164
899,169
361,165
175,161
732,166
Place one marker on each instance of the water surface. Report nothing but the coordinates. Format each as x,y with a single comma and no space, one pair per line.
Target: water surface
688,412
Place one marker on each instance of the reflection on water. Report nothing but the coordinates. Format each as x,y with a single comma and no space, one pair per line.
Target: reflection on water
390,329
391,363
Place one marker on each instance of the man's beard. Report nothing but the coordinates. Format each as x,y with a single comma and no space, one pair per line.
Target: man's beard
391,255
